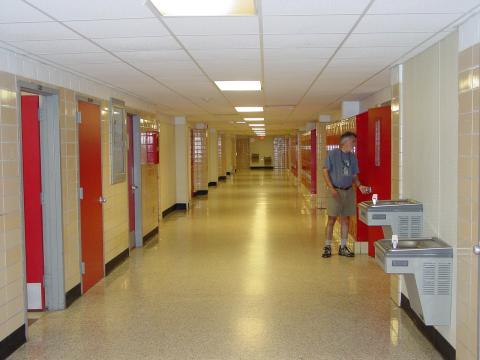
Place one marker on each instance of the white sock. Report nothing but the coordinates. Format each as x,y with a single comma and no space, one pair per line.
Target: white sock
343,242
328,242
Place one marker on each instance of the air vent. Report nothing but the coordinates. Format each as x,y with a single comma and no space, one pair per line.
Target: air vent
416,226
444,283
428,283
403,226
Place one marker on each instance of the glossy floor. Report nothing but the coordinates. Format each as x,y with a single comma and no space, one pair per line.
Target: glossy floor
238,277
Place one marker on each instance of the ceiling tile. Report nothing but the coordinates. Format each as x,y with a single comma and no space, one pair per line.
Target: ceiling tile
214,25
308,24
309,7
93,9
18,11
227,54
424,6
372,52
216,42
35,31
386,39
82,58
58,46
139,43
302,40
300,54
119,28
153,56
404,23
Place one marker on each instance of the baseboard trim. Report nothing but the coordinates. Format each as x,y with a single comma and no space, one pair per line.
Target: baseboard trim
150,235
212,183
261,167
12,342
447,351
200,192
174,207
116,261
222,178
73,294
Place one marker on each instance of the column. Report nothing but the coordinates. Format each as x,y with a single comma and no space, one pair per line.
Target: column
182,161
212,157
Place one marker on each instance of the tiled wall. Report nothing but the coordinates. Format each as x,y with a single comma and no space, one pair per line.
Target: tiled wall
430,143
468,185
69,173
11,244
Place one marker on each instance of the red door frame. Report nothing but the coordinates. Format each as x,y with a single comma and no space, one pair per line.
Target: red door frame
32,189
90,155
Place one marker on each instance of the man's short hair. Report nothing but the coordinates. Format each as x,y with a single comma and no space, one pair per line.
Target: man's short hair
347,135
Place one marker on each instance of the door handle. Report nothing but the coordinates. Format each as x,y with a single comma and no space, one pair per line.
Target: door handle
102,200
134,187
476,249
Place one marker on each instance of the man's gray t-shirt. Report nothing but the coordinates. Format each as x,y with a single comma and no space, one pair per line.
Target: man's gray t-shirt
342,167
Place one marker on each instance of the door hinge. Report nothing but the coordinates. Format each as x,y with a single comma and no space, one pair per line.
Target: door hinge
80,193
83,267
79,117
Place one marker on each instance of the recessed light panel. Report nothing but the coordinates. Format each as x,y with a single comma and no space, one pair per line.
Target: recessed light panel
205,7
253,119
239,85
256,125
249,108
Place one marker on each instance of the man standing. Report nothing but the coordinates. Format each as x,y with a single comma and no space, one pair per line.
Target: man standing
340,173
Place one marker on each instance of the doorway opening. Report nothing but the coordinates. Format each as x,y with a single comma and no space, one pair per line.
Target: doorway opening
42,206
134,181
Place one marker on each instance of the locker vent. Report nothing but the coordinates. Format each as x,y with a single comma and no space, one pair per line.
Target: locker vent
403,226
428,283
416,226
444,282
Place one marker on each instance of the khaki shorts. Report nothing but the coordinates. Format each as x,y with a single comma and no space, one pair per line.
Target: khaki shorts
343,204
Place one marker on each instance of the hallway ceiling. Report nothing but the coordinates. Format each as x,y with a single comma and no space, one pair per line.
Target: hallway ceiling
309,54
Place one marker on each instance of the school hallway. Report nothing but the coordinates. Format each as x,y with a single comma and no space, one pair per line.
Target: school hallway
239,276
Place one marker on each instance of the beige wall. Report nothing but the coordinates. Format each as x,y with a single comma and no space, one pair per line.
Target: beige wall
468,186
430,144
12,305
167,163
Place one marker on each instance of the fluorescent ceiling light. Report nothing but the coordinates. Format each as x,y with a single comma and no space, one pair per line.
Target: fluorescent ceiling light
204,7
249,108
239,85
241,122
253,119
256,125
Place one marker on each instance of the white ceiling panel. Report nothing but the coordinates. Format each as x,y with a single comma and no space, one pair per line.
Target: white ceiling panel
271,41
18,11
153,56
220,42
35,31
404,23
223,72
93,9
227,54
58,46
147,43
82,58
308,24
300,54
243,98
309,7
424,6
407,39
386,52
119,28
214,25
114,69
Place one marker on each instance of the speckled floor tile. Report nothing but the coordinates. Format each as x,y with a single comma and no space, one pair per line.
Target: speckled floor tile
240,276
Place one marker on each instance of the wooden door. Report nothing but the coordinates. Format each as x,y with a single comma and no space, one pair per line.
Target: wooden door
92,200
243,153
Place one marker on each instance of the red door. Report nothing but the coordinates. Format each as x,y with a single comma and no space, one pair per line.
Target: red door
32,188
363,164
131,182
91,204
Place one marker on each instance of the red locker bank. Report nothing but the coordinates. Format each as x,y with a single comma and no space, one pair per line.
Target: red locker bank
373,151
